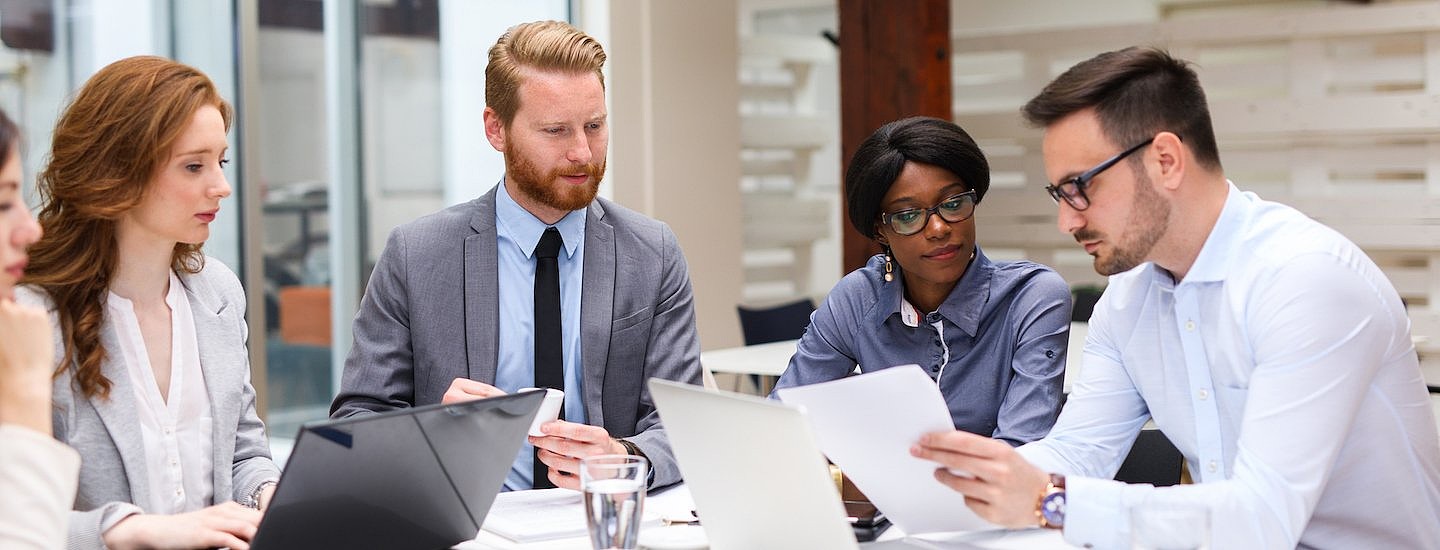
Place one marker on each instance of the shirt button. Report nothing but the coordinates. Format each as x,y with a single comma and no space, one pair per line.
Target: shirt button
1204,394
169,430
1212,467
1190,326
179,492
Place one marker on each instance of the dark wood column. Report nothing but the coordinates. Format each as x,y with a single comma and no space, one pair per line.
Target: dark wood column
894,63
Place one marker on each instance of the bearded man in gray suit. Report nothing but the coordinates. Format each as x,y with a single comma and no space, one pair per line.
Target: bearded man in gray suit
449,311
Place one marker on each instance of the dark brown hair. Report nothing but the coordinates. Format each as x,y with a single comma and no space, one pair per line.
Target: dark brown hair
1136,93
9,136
108,145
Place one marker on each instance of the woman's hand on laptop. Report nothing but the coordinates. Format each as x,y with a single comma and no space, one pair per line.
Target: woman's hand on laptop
565,443
227,525
465,389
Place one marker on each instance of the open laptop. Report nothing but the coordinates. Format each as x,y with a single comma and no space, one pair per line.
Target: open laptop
419,478
754,469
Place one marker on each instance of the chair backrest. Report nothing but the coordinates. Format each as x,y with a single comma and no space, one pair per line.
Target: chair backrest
1083,302
1152,459
773,324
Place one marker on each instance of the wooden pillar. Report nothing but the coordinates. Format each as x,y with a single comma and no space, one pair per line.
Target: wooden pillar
894,63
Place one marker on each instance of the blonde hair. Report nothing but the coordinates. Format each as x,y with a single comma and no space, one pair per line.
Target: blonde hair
543,45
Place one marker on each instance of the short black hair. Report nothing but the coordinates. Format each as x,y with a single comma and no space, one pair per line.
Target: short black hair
925,140
1137,93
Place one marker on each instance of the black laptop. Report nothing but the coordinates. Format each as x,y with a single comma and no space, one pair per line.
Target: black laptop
420,478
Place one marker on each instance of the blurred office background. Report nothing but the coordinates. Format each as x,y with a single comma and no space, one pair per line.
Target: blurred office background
356,116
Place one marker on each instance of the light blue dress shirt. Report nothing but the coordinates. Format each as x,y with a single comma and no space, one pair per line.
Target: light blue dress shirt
1282,368
996,345
518,232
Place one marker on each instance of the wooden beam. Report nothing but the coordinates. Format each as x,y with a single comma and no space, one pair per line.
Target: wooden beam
894,63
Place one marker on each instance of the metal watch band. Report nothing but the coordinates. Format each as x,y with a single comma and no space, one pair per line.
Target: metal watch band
253,501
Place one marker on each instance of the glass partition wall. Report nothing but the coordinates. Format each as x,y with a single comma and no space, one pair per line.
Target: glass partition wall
408,78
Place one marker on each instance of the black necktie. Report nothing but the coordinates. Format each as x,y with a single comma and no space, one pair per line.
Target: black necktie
549,357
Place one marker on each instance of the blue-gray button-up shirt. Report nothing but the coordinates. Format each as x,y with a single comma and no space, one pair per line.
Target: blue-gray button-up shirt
996,346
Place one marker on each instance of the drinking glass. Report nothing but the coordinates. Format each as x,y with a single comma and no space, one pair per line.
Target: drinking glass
614,487
1169,526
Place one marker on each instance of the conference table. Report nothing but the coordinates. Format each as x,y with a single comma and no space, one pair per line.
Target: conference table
762,359
676,502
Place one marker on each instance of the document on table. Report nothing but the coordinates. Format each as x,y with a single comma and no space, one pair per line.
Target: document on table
547,514
871,444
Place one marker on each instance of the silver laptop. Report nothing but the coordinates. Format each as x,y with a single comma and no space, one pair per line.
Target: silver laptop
757,476
421,477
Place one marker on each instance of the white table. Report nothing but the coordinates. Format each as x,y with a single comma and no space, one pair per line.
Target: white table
763,359
677,503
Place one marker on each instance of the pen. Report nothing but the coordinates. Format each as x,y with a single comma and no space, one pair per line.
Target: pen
689,518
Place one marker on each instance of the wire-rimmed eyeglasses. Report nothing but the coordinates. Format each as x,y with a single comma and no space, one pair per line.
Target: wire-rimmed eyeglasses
1073,189
954,209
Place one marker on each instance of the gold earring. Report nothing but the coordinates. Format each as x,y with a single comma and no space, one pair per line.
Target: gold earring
889,266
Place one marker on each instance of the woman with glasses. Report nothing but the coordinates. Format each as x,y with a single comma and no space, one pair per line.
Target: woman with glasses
991,334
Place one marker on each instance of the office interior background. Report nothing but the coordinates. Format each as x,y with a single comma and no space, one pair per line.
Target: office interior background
356,116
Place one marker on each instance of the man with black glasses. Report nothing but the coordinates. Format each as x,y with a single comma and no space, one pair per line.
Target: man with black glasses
1270,349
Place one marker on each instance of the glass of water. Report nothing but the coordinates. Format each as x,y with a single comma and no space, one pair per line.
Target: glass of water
1169,526
614,487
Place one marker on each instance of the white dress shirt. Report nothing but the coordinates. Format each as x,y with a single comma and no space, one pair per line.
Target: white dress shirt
176,432
38,476
1282,368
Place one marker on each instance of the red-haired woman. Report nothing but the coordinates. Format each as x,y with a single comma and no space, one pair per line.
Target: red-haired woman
153,386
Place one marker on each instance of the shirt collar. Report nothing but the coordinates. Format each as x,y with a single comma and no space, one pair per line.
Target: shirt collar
1213,261
962,307
524,229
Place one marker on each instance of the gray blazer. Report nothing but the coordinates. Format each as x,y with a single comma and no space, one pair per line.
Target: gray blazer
107,432
431,314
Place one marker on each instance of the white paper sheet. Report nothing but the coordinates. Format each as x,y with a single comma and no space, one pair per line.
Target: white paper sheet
866,424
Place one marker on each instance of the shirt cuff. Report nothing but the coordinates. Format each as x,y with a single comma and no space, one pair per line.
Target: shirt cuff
1096,514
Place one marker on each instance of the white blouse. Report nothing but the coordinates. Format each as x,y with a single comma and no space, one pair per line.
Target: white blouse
179,475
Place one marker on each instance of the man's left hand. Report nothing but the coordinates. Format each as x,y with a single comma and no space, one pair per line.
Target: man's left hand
1002,487
565,443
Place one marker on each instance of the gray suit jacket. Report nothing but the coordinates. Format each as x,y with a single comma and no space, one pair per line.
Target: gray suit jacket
107,432
431,314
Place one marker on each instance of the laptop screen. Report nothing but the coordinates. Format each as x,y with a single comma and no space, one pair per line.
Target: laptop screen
414,478
752,465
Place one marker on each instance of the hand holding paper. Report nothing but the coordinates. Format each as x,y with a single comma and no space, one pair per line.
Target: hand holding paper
1002,484
872,444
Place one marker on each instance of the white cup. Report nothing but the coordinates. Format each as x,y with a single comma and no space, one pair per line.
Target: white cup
549,410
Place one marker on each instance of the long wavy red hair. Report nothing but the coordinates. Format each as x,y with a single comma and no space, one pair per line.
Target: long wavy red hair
108,146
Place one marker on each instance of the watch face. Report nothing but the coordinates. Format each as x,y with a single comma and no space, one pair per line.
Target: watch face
1053,508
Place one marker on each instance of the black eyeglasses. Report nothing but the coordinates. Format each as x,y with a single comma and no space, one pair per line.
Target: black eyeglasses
1073,189
955,209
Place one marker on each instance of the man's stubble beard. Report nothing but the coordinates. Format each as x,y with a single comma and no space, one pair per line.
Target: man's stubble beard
1149,219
